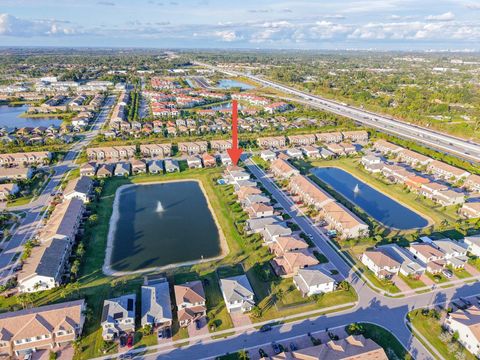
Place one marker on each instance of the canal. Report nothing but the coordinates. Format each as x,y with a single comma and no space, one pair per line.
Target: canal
162,224
381,207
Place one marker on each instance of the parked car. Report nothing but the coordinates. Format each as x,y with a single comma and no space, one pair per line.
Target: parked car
262,353
161,334
293,346
130,341
265,328
447,273
276,348
167,333
197,324
28,356
123,340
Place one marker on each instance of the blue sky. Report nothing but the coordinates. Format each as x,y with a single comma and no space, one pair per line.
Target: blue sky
298,24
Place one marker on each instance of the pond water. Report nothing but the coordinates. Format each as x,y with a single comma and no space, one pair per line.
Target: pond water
10,118
229,84
379,206
162,224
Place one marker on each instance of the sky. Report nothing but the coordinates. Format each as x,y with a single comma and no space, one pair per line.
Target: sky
255,24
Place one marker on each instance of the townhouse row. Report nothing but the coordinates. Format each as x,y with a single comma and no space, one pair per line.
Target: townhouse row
437,168
277,142
338,217
293,257
48,261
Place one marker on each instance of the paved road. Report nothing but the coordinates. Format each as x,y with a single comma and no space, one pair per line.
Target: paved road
34,210
459,147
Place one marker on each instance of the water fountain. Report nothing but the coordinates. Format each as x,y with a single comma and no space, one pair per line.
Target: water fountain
160,207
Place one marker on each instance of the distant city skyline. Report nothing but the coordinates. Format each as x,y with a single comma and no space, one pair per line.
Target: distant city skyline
288,24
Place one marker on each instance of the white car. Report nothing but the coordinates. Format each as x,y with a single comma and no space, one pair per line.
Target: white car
448,274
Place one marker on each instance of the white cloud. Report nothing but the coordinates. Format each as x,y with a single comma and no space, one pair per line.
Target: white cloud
13,26
227,35
448,16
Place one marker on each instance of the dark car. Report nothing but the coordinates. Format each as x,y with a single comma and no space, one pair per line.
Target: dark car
262,353
293,347
276,348
197,324
167,333
123,340
265,328
130,341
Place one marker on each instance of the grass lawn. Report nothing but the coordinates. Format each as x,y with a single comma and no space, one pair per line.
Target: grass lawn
265,165
393,348
461,273
411,282
431,328
38,183
438,278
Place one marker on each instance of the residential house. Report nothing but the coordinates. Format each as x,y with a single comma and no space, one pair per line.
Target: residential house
330,137
353,347
473,244
190,300
191,148
470,210
294,153
220,145
454,254
275,230
41,328
380,263
272,142
155,167
79,188
208,160
122,168
466,323
386,147
433,257
156,306
225,159
105,170
259,210
7,190
88,169
194,162
472,183
413,158
25,158
283,169
15,173
346,223
449,197
255,226
283,244
268,155
138,166
311,152
289,263
156,150
237,293
118,316
313,281
356,135
447,172
301,140
171,166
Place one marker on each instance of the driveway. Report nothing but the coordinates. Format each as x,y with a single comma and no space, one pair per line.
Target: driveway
203,330
427,280
472,270
240,319
402,285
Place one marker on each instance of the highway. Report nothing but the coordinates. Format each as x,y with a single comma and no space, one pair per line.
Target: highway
35,210
461,148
